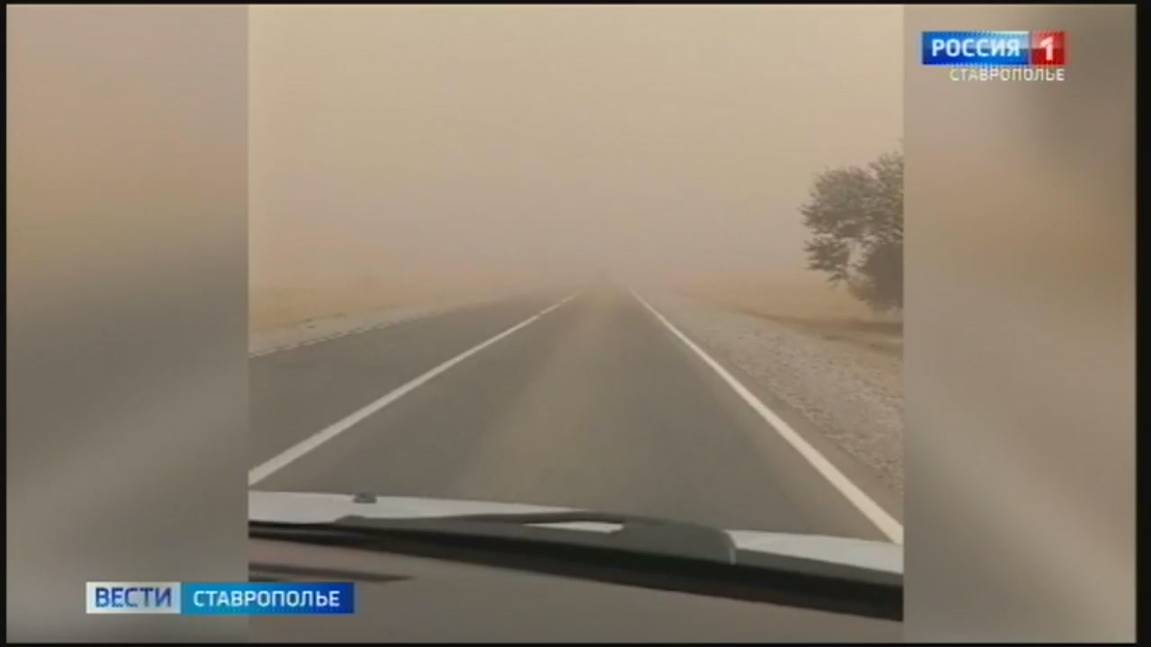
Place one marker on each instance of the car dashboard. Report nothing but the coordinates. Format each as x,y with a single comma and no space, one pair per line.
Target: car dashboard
406,598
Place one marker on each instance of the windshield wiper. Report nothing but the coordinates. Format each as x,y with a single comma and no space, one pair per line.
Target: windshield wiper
643,551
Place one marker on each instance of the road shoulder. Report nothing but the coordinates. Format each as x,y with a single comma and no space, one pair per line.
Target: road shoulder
848,395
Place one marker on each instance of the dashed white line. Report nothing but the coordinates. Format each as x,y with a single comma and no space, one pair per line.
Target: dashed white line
283,459
868,507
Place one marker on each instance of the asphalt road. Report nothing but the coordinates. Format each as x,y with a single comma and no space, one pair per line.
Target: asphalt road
595,404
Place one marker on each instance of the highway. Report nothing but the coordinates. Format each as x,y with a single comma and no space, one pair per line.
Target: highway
590,402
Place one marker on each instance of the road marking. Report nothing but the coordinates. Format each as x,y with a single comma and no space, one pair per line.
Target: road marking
870,509
283,459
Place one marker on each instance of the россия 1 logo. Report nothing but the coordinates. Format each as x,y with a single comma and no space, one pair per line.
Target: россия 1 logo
997,55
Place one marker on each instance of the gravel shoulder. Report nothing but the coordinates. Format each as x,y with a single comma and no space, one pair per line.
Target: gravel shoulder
851,392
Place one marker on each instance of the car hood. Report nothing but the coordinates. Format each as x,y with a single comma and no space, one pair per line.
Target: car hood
310,507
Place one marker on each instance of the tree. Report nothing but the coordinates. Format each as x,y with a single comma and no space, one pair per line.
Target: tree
855,216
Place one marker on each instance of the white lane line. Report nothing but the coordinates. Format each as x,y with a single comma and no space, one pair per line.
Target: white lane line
282,460
870,509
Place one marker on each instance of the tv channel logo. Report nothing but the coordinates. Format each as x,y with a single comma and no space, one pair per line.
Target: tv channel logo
222,598
133,597
991,48
998,55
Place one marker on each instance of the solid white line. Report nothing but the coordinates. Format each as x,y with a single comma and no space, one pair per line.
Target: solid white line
870,509
282,460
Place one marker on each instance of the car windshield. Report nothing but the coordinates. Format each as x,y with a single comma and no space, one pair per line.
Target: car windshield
286,511
841,575
632,267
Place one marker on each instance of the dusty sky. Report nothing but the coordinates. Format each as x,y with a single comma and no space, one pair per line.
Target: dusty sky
419,141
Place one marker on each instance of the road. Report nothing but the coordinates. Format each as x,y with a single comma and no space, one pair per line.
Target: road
594,404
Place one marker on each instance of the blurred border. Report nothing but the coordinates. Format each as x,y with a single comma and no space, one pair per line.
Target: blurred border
126,312
1020,337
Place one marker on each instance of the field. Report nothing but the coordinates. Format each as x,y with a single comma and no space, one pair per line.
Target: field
802,300
273,307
